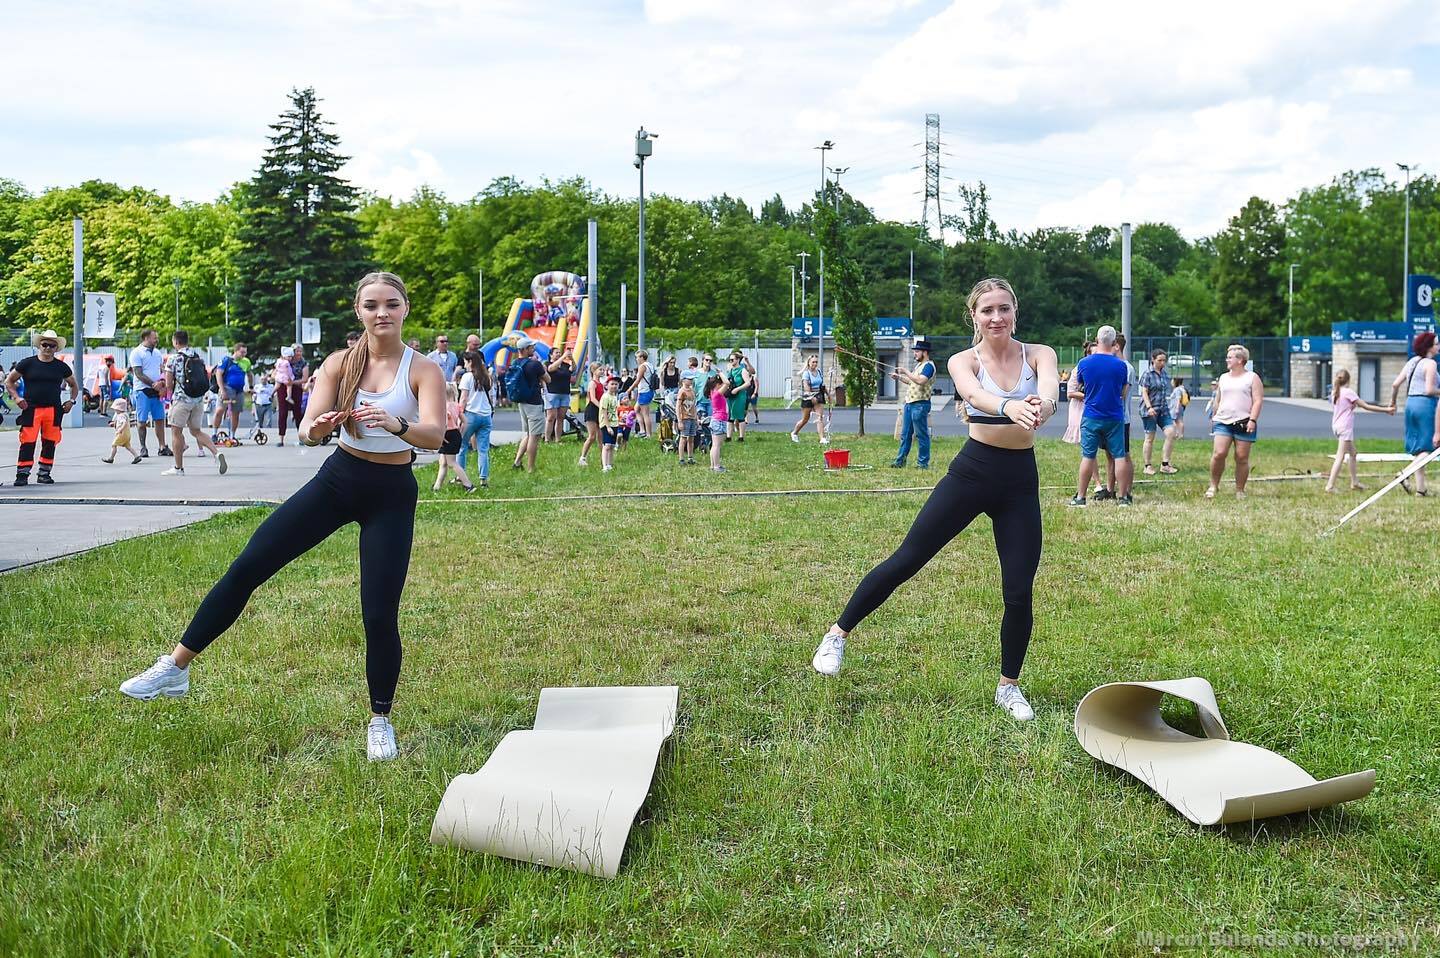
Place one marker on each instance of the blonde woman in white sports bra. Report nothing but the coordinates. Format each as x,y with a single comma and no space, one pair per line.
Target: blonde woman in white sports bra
995,474
386,400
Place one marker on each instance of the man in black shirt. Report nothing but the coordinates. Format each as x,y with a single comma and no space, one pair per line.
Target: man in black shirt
41,408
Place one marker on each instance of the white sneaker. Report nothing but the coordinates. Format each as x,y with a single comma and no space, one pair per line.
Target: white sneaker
827,657
607,468
220,460
162,678
1011,699
380,739
583,461
824,440
172,471
794,438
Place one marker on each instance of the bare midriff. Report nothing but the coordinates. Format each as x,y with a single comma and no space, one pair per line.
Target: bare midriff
1003,437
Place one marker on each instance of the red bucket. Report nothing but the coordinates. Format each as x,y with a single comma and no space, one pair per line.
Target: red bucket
837,458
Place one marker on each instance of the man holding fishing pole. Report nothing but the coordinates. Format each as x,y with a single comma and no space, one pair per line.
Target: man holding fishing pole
918,384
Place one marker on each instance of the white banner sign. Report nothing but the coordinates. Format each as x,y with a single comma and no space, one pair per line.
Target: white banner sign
99,315
309,330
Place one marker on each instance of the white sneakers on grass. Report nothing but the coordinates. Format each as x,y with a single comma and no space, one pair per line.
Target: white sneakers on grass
827,657
380,739
1011,699
831,653
168,679
162,678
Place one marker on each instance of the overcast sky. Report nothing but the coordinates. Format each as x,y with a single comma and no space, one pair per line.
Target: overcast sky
1073,112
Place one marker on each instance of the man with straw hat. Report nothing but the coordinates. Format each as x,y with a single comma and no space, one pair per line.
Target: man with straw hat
918,387
41,408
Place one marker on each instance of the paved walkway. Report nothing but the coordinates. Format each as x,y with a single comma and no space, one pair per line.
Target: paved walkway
92,503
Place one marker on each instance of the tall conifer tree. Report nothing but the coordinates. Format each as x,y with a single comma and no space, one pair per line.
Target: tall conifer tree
298,222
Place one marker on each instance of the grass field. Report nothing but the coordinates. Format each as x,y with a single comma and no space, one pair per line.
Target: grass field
890,811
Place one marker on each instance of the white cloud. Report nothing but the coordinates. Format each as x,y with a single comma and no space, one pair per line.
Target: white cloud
1072,111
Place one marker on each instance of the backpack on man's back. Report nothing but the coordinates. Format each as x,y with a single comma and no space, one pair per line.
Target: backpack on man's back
515,385
195,382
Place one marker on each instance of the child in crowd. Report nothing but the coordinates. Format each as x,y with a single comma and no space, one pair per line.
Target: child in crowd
628,418
609,422
121,425
1179,401
689,424
1342,424
264,398
450,447
719,418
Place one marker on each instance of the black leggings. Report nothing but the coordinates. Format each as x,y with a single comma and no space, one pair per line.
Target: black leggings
1005,485
381,498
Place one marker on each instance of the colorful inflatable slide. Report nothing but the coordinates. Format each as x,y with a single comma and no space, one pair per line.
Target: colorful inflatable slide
556,316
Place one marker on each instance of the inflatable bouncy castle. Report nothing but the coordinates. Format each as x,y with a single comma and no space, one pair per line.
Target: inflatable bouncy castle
556,316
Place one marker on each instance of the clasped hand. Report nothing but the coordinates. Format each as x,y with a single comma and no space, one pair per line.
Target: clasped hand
1025,412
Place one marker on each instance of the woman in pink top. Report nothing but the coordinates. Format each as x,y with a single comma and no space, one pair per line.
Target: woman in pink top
1342,424
1235,419
1075,391
287,392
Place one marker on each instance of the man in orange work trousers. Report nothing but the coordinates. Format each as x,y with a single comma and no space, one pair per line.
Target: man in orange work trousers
41,408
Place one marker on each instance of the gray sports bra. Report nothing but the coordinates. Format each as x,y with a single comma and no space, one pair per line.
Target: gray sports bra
1028,385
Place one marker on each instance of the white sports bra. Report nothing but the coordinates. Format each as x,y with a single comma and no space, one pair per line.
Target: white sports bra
398,400
1028,385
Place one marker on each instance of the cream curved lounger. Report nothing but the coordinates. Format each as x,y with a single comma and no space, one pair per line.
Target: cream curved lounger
565,793
1211,781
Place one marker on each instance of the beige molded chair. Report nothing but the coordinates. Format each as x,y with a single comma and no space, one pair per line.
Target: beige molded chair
566,793
1209,780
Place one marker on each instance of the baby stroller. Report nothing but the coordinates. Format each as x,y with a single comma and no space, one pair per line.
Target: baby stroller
702,430
667,426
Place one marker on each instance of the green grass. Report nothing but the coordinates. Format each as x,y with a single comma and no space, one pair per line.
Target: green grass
893,810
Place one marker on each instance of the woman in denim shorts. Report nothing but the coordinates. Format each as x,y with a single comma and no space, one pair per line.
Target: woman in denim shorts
1235,419
557,395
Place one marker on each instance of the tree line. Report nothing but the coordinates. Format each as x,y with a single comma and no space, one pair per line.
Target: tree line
713,264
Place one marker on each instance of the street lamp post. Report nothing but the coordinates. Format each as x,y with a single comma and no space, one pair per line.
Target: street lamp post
480,307
823,148
1290,310
911,287
803,277
837,172
792,293
643,148
1405,280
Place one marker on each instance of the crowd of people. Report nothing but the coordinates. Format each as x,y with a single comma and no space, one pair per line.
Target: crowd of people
383,404
1099,391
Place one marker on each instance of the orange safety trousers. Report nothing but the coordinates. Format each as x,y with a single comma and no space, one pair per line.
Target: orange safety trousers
43,423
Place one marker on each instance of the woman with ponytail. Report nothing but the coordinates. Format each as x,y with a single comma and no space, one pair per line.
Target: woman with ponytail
995,474
385,400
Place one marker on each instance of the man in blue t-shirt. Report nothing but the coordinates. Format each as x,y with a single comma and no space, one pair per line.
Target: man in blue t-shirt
1103,424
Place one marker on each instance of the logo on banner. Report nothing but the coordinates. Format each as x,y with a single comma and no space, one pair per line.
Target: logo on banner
99,315
1420,304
